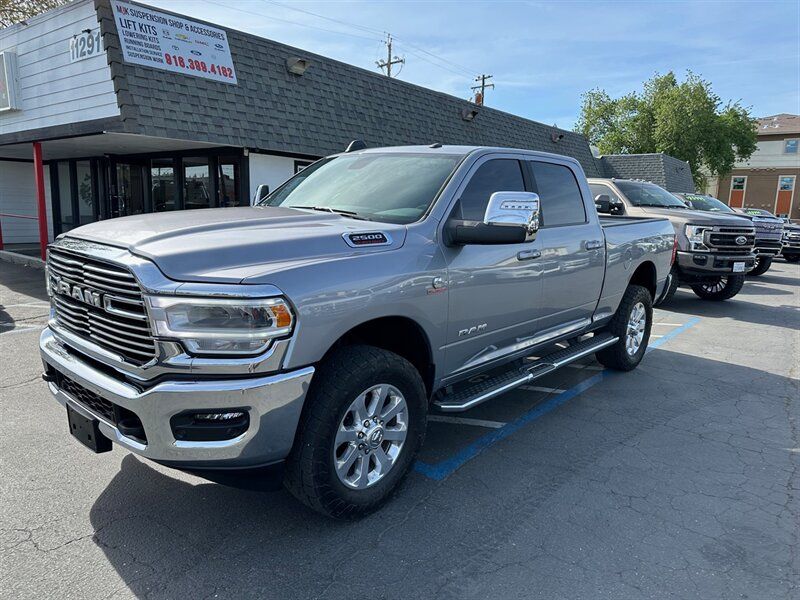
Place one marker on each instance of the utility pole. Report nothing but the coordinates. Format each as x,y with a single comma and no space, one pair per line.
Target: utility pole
390,60
480,95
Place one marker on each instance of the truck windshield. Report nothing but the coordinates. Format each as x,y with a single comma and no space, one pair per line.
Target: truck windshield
640,193
394,188
707,203
758,212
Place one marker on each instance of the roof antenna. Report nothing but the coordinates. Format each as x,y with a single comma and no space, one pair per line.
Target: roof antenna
356,145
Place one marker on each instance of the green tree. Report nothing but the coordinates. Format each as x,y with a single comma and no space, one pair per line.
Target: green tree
14,11
686,120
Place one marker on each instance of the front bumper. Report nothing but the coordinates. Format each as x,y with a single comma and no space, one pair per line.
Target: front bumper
712,263
790,247
273,403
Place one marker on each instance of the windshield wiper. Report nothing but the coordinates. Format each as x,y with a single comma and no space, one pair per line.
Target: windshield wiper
337,211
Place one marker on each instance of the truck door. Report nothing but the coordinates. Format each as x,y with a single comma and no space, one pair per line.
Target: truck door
573,246
494,290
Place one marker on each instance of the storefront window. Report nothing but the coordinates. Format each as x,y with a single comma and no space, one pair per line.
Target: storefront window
65,197
197,183
228,178
738,183
83,169
164,185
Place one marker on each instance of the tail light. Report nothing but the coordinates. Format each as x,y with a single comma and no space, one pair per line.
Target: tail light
674,249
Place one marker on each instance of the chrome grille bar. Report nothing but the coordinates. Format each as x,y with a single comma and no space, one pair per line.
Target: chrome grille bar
126,331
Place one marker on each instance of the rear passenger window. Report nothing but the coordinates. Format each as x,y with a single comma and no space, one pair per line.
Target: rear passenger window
559,194
496,175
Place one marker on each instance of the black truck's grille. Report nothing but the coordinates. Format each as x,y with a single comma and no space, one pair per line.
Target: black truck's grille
724,239
116,319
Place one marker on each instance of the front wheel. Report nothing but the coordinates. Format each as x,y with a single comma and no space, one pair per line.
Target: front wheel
362,426
723,288
763,263
631,324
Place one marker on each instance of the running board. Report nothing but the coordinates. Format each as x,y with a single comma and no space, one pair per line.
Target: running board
471,394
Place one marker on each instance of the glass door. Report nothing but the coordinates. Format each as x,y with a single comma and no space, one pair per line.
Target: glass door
128,189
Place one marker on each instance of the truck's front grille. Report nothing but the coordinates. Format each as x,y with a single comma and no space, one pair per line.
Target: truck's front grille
723,239
100,302
768,246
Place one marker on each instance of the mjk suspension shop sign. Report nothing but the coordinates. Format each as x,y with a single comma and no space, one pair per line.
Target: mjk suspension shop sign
154,39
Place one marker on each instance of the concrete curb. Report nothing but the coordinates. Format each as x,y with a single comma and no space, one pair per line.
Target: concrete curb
21,259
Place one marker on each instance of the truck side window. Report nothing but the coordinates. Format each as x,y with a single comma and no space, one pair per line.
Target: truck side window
496,175
597,189
559,194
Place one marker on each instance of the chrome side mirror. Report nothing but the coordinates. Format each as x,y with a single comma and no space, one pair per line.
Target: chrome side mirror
262,191
515,209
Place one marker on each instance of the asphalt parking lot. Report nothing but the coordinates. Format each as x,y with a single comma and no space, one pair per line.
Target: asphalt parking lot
678,480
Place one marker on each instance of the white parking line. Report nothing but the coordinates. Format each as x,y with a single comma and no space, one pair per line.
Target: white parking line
29,304
23,330
465,421
656,336
538,388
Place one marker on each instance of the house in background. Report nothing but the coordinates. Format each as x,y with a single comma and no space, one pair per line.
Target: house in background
769,177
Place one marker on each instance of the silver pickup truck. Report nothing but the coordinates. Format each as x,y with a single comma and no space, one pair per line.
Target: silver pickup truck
311,334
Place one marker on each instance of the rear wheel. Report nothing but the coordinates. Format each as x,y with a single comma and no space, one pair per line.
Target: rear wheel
363,424
763,263
631,324
722,288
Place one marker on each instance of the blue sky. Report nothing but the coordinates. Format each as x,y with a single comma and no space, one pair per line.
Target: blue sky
544,55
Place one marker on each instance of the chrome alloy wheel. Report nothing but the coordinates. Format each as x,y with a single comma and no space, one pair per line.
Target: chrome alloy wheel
637,321
370,436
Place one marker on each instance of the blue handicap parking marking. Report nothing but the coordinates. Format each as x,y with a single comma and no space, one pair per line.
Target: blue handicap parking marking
444,468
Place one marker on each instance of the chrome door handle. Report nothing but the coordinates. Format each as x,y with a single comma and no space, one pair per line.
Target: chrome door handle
528,254
594,244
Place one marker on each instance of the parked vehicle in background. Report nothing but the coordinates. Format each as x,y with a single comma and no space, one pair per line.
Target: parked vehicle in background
768,227
714,250
791,242
314,330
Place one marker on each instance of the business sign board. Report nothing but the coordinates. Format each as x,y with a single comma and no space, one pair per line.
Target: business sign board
9,99
172,43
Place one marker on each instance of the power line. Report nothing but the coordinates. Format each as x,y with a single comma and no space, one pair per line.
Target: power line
273,18
331,19
466,70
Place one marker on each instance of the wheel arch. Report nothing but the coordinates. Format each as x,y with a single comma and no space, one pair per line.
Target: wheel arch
399,334
645,276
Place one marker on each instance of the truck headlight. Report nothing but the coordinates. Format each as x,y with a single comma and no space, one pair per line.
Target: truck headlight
221,326
694,233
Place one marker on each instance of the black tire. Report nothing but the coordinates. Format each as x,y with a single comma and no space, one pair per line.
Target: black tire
344,375
792,258
617,356
763,263
672,287
725,288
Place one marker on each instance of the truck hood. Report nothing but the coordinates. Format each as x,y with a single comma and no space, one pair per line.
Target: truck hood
680,216
233,244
